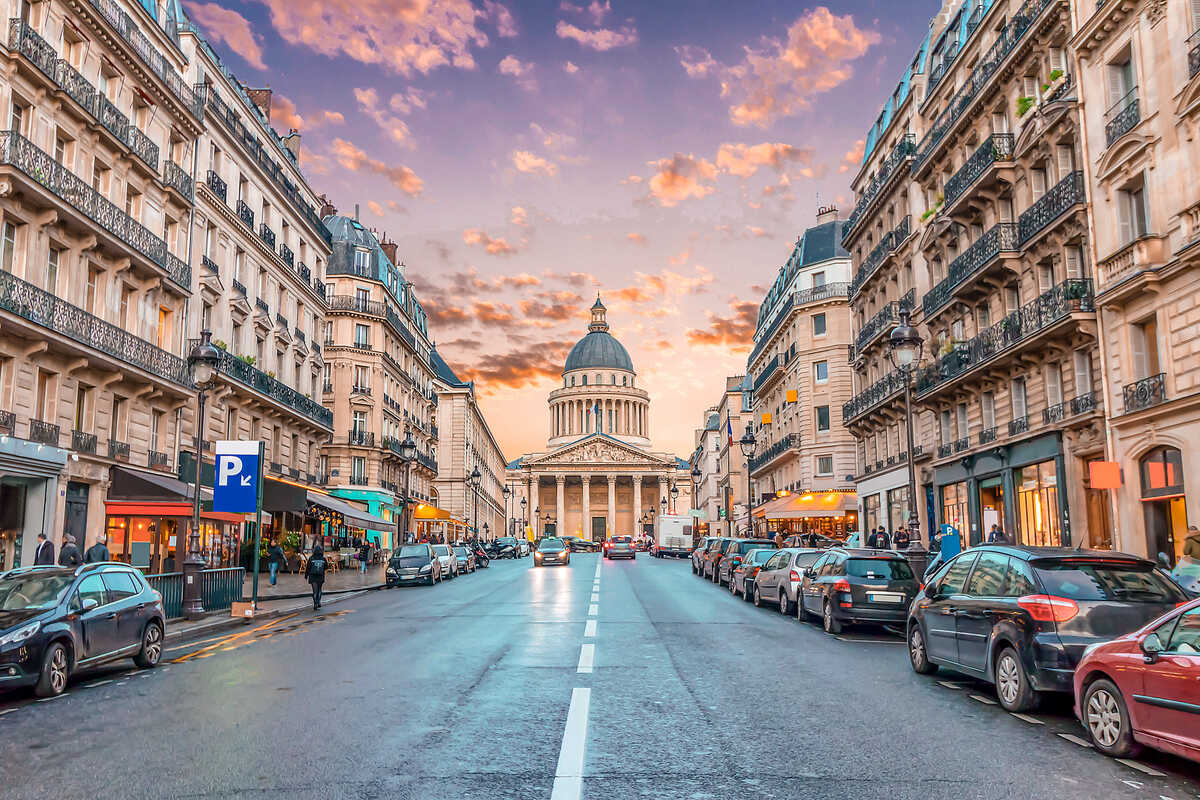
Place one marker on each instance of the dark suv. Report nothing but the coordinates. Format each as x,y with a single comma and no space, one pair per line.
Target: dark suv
1022,617
848,586
701,553
732,555
54,621
413,563
712,557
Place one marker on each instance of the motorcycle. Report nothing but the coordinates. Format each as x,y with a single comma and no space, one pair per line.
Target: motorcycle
481,558
508,551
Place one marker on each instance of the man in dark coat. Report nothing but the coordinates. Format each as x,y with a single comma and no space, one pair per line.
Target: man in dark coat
275,557
69,555
315,574
879,540
44,555
97,552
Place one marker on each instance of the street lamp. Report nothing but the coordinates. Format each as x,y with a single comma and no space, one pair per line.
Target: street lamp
696,475
408,454
507,517
747,444
674,497
524,519
202,366
904,351
475,479
485,530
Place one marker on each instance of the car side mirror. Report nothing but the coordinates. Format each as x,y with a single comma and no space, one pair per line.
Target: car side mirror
89,603
1152,647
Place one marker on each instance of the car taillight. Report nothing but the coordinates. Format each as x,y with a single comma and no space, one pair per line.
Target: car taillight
794,576
1048,608
841,585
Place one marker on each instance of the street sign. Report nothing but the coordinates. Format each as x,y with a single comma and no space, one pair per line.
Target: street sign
236,478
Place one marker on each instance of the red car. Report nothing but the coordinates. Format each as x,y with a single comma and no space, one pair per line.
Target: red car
1144,688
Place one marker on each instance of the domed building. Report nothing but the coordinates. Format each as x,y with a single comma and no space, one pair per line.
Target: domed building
599,475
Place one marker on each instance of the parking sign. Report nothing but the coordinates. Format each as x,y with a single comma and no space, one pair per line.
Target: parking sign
237,473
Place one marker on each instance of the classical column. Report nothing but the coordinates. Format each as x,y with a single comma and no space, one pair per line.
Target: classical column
560,481
612,505
637,503
587,507
662,492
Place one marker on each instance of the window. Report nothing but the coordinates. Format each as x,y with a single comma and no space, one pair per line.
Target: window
90,588
18,118
821,372
117,421
1037,182
64,150
1122,89
987,580
120,585
818,324
156,429
164,327
82,392
962,420
361,298
358,470
983,317
818,280
8,246
359,424
361,336
1019,409
825,465
1144,338
822,418
362,378
954,579
1012,299
1083,372
362,262
572,380
1054,393
987,409
100,176
1132,213
945,422
585,380
1075,262
1186,638
47,391
231,425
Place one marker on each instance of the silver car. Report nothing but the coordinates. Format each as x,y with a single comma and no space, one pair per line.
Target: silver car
447,559
779,579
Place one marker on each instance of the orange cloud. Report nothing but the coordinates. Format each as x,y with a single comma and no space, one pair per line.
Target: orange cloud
228,26
636,238
595,12
681,177
368,103
285,115
520,367
745,160
735,331
497,246
400,176
506,26
520,71
519,217
528,162
854,156
375,208
598,38
570,68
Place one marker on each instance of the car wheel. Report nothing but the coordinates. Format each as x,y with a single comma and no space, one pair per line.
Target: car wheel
1012,685
746,591
831,624
785,605
732,585
56,668
918,656
1107,720
152,647
757,597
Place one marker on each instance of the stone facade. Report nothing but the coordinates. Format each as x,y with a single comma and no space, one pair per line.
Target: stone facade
721,486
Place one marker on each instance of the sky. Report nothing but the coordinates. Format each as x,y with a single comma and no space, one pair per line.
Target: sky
527,155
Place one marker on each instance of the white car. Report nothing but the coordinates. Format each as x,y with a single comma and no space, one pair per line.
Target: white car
447,559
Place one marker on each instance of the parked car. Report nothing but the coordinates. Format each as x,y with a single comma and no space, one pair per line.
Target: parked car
551,550
620,547
413,563
741,579
813,541
732,555
699,553
713,555
1187,575
1142,689
55,621
851,586
449,563
465,558
779,580
1022,617
524,548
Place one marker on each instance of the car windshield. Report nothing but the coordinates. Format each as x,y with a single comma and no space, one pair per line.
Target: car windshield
807,559
29,592
441,550
1098,580
413,551
892,569
759,556
550,545
461,551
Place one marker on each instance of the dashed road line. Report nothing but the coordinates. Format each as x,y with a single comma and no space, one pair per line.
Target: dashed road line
7,711
589,630
1073,739
568,776
94,684
986,700
1140,767
1027,718
56,697
587,658
593,610
595,597
950,684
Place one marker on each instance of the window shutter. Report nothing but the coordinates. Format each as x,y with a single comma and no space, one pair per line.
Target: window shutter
1066,160
1125,217
1074,259
1195,15
1083,372
1053,384
1057,61
1115,84
1137,336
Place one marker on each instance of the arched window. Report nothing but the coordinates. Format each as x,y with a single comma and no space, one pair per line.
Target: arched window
599,379
614,378
572,380
624,380
585,380
1162,473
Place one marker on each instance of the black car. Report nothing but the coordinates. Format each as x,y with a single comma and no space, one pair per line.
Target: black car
551,550
54,621
699,553
848,586
465,557
732,555
578,545
1021,617
413,563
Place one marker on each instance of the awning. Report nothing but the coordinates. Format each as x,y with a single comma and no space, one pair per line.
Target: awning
165,509
352,516
810,504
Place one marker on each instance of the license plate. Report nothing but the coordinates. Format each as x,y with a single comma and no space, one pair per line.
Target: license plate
884,597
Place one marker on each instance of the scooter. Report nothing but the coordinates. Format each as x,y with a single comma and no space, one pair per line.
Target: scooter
481,558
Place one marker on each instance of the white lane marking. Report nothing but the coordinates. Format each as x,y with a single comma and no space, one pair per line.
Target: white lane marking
57,697
95,683
595,598
587,658
1027,718
589,630
950,685
1073,739
7,711
593,610
568,777
1140,767
982,699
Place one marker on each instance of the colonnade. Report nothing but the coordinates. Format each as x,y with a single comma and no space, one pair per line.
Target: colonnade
617,416
608,503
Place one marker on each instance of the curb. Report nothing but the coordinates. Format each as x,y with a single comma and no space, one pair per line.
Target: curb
222,623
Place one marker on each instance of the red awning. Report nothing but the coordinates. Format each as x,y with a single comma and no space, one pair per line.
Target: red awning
132,509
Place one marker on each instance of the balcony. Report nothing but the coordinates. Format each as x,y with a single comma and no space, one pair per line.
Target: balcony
210,265
872,396
1009,334
1000,238
1018,426
1054,413
267,235
882,321
119,126
361,390
1122,117
217,186
41,168
1141,255
305,273
327,388
962,444
996,148
38,306
1145,393
361,438
987,435
281,321
43,432
1064,195
83,442
261,382
118,451
300,337
1193,50
1081,404
945,450
158,461
887,245
288,256
891,166
239,287
262,306
8,422
175,177
427,461
767,371
245,214
786,444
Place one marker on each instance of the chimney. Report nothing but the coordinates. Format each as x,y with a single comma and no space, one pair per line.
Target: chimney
826,214
292,143
328,209
389,249
356,212
262,99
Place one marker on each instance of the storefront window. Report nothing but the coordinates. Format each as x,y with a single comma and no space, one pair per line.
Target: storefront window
1037,505
954,507
897,500
1163,503
871,511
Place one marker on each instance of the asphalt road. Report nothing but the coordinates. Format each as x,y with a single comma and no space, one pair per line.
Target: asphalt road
536,683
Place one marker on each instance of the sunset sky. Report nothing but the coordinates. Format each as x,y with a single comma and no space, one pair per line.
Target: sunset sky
526,155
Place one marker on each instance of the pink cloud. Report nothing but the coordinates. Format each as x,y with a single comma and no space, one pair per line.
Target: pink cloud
520,217
570,68
745,160
506,26
636,238
594,12
224,25
854,156
354,159
598,38
493,246
368,103
681,177
533,164
285,115
375,208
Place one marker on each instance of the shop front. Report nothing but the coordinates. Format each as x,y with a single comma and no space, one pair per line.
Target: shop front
830,513
29,487
883,500
432,523
378,504
338,525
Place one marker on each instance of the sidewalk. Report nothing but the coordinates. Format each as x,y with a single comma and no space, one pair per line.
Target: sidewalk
290,583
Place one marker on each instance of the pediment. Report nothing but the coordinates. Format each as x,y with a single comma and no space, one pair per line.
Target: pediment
600,450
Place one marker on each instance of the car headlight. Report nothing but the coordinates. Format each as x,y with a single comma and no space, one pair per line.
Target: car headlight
427,568
391,571
537,555
20,634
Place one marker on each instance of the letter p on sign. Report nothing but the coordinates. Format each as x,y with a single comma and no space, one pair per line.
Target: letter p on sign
227,467
235,488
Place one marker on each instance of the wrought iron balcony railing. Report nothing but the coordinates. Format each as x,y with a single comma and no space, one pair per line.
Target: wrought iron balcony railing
987,435
428,461
766,372
262,306
962,444
306,275
361,438
786,443
299,334
1001,237
945,450
1018,426
1193,48
158,460
261,382
118,451
1054,413
1121,118
177,178
873,395
281,321
40,166
83,442
903,150
1145,393
245,214
1053,204
287,255
39,306
1083,403
266,234
43,432
997,147
218,186
886,246
210,265
239,287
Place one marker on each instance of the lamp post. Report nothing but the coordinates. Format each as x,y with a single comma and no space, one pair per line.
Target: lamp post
475,478
202,366
485,530
674,497
904,351
524,519
507,517
408,454
747,443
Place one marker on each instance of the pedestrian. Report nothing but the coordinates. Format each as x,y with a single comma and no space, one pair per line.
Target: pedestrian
900,539
315,574
1191,545
274,559
97,552
69,555
44,555
364,557
879,540
996,535
779,539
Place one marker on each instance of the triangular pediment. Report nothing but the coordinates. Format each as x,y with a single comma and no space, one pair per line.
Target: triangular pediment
598,449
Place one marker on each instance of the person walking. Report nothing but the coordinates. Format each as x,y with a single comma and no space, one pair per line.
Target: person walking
315,574
996,535
274,559
69,556
97,552
44,555
364,557
900,539
879,540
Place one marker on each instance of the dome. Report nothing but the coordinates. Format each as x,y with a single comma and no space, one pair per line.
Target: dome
598,349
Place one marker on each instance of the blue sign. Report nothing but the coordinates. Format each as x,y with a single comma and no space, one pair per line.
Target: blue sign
236,476
951,542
